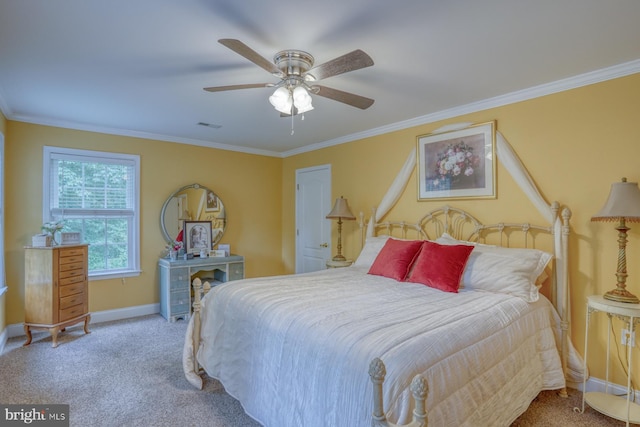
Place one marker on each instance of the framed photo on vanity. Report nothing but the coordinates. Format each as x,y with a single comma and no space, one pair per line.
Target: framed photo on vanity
458,164
197,236
226,248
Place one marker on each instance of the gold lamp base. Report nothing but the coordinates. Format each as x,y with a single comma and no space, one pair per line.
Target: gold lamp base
621,295
339,257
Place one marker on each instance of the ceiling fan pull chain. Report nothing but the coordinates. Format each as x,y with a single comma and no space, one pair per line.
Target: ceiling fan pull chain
292,119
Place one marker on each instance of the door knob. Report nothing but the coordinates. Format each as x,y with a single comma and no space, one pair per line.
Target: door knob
324,245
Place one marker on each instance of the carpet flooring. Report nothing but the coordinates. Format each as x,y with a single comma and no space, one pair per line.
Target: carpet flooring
129,373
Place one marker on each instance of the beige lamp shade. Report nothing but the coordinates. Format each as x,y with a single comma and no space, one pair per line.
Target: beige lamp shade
623,203
341,210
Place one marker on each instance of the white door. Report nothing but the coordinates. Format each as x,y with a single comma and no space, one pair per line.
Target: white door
313,230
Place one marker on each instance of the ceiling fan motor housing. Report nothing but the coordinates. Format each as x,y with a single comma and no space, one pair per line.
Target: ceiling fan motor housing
293,62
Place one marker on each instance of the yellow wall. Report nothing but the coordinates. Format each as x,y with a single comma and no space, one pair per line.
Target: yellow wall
249,186
575,144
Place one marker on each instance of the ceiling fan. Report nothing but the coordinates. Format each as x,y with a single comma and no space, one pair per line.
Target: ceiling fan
297,77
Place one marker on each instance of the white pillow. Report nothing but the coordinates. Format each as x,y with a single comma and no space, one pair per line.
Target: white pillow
447,239
505,270
372,247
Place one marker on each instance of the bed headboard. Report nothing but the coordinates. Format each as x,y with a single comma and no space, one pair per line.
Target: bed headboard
464,226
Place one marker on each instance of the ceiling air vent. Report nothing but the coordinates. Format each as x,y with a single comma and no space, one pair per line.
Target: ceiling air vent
209,125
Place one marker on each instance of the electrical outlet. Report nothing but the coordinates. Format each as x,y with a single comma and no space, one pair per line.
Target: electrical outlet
627,338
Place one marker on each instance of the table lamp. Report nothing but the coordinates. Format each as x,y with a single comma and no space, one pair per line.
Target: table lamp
623,205
340,211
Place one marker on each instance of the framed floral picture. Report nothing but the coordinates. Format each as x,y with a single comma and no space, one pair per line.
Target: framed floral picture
458,164
197,236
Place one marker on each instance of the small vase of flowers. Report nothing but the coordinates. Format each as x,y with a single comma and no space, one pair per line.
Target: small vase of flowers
51,228
173,248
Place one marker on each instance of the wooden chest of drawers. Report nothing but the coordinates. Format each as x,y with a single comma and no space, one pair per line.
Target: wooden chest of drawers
56,289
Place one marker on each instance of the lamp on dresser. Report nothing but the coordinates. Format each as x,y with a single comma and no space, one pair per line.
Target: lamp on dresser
623,205
340,211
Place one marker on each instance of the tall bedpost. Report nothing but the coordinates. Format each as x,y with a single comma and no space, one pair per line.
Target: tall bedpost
367,227
419,389
557,281
377,372
197,298
566,313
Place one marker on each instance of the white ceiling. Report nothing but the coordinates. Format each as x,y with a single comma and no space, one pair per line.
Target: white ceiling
137,67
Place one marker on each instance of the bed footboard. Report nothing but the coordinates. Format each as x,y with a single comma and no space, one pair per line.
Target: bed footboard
419,390
192,368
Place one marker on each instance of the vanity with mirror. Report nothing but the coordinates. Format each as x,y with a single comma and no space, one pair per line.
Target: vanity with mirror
195,215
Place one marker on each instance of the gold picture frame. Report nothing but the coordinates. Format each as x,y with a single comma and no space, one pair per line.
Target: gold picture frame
457,164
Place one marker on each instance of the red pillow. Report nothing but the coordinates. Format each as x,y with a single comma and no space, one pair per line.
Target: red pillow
395,258
440,266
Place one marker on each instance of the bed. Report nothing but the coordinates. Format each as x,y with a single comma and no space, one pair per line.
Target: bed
356,346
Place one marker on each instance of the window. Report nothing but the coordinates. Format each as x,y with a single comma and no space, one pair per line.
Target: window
96,194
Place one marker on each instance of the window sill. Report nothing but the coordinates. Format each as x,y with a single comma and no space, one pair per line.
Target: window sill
118,275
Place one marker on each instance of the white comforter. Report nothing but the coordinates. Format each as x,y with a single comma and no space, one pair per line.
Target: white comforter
295,350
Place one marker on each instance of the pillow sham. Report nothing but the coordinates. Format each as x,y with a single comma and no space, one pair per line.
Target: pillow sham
447,239
395,258
370,251
440,266
504,270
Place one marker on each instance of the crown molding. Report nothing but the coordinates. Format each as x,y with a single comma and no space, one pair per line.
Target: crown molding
138,134
610,73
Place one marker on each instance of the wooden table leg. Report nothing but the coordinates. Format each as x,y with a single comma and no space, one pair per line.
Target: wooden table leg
54,336
27,332
86,324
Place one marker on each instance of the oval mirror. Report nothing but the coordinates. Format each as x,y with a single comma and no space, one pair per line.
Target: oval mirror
193,203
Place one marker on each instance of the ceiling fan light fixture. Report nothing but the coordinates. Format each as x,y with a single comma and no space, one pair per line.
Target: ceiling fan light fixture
304,109
302,100
281,100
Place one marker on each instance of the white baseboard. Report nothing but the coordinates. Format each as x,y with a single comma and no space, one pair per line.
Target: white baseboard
124,313
3,340
17,329
596,384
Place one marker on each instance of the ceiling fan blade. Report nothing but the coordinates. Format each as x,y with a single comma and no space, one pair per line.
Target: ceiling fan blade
348,62
234,87
242,49
344,97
